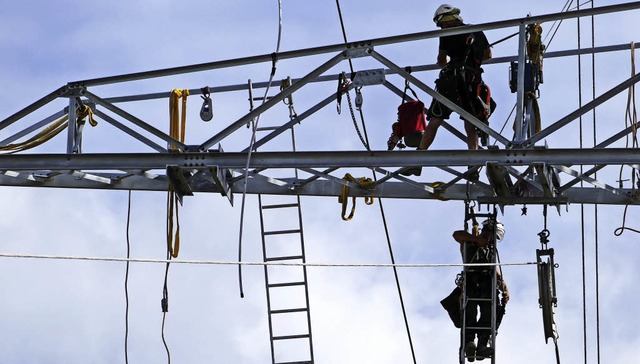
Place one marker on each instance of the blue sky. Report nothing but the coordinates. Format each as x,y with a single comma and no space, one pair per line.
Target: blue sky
73,312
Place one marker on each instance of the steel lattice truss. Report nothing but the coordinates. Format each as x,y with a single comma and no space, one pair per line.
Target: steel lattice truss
518,171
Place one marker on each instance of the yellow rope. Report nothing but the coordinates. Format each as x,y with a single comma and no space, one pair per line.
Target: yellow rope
51,131
177,127
82,113
177,123
362,182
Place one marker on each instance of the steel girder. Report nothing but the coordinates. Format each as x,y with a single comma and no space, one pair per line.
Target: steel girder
207,170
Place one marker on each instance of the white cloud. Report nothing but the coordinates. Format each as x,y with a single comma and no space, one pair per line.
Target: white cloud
73,312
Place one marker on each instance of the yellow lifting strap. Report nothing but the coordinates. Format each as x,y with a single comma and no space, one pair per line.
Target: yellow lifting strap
535,113
177,124
177,127
83,112
362,182
537,119
51,131
173,243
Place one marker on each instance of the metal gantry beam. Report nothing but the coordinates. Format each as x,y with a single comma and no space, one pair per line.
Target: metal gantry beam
147,171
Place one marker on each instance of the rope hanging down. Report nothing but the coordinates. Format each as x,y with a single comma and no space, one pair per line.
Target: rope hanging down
177,129
274,61
362,182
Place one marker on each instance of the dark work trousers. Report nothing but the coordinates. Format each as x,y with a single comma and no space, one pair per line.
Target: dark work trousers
478,285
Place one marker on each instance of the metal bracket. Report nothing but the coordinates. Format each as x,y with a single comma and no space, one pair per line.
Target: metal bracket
219,176
369,77
179,181
358,50
499,180
549,179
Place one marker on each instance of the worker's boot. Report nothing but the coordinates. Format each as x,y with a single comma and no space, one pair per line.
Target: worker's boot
484,350
470,351
408,171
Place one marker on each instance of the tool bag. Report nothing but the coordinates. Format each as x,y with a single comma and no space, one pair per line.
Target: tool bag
408,130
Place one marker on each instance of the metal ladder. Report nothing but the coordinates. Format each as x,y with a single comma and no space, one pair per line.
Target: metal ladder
286,285
466,300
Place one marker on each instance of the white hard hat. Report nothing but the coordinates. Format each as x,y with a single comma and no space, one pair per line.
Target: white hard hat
446,12
499,227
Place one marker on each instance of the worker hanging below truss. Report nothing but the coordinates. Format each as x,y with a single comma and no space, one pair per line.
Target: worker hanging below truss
477,304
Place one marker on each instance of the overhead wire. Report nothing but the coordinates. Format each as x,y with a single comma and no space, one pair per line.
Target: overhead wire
126,284
271,263
595,207
567,5
380,205
582,209
251,144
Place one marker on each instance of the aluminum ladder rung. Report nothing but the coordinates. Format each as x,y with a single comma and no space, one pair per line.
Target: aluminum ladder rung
288,337
479,327
292,235
289,310
279,206
289,257
479,299
267,128
288,284
282,232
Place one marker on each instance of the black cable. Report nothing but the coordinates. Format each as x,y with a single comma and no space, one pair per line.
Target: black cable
597,245
566,5
503,39
582,220
621,229
164,303
395,273
384,219
165,307
365,142
126,286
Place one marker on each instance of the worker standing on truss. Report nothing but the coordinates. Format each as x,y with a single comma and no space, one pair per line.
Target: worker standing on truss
460,79
478,283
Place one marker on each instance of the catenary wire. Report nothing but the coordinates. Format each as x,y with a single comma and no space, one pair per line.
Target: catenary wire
126,284
582,209
595,212
273,263
251,144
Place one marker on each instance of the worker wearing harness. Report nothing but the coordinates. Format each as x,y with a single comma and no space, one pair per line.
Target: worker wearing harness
460,81
478,283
